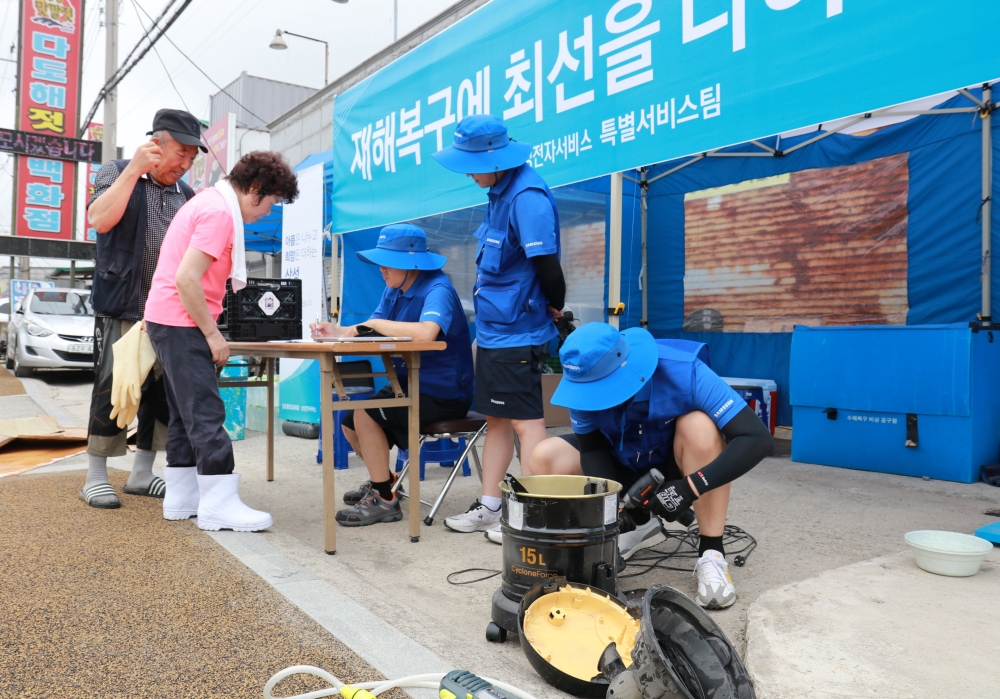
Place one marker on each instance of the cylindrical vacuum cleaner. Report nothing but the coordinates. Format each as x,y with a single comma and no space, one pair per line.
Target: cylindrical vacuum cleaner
554,526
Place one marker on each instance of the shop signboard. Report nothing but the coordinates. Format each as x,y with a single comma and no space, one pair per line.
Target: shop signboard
209,167
95,132
48,93
599,86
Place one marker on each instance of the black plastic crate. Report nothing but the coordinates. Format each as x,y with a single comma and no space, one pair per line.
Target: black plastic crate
245,318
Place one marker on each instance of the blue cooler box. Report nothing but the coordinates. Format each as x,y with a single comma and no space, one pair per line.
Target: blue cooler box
919,400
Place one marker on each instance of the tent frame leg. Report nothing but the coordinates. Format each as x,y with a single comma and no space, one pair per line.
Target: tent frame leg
986,115
615,247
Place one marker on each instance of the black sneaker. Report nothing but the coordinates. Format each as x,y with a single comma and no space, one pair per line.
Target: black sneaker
370,510
353,497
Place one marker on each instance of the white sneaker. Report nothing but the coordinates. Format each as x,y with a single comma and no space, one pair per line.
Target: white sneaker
477,518
494,534
642,537
715,586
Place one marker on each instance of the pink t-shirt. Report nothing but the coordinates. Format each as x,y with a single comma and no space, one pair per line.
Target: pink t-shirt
205,224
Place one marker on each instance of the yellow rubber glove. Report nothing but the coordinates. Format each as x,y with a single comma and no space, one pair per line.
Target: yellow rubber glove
125,400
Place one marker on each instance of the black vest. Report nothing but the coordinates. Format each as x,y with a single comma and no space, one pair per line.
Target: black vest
118,273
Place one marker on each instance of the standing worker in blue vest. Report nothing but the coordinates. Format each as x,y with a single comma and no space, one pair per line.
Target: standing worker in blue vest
519,292
133,204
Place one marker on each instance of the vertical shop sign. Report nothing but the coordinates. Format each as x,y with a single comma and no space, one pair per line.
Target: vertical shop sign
48,90
95,132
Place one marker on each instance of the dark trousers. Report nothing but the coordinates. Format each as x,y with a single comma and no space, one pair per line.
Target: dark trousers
105,437
195,436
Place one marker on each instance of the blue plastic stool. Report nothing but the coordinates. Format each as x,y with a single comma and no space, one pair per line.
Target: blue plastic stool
440,451
341,447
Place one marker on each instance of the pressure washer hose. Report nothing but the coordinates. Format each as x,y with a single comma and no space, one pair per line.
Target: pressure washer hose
428,681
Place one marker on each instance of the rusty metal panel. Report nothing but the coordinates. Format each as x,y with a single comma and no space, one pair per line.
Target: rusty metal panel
817,247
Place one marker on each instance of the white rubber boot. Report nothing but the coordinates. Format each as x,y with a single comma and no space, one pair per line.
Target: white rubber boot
221,507
181,499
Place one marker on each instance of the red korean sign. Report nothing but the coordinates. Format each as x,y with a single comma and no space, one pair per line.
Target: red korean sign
49,81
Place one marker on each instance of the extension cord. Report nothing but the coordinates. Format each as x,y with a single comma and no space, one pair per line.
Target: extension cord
364,690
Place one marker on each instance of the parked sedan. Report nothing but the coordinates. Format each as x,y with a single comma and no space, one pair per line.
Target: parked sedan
51,329
4,317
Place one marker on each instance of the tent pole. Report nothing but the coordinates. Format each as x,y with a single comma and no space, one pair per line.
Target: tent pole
644,272
615,248
987,204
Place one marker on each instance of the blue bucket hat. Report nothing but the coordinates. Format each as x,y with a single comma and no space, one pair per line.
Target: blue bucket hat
603,367
402,246
482,145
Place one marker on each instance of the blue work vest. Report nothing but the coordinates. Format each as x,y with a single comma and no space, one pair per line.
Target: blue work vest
508,296
642,433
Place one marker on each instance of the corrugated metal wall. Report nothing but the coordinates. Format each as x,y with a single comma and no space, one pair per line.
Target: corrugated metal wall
266,99
817,247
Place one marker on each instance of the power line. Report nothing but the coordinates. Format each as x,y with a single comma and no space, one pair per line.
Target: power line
125,69
137,8
220,88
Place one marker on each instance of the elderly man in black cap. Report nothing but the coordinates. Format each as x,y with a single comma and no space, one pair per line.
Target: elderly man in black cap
133,204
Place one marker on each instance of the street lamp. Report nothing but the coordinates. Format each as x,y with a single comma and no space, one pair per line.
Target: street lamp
279,43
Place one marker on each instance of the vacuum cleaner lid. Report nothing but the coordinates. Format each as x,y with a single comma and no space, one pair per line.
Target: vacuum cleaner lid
681,653
564,629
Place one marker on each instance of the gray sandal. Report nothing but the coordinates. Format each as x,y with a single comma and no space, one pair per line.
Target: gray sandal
156,488
101,496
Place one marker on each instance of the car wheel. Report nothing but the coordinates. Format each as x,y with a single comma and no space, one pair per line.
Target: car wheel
20,371
10,362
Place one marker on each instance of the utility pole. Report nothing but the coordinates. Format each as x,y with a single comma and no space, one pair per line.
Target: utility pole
110,147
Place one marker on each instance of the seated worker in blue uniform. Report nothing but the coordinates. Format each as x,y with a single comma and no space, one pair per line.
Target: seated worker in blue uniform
519,291
419,302
635,404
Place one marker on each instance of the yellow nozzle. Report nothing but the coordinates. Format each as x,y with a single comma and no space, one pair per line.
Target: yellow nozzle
349,692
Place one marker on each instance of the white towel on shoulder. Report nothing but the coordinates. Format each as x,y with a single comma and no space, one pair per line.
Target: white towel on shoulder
239,271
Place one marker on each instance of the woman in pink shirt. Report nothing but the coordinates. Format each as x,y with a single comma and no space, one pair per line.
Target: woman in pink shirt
202,248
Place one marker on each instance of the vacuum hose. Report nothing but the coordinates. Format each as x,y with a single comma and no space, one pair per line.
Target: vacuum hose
367,690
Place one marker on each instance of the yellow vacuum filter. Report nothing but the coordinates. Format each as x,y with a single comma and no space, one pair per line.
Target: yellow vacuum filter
572,627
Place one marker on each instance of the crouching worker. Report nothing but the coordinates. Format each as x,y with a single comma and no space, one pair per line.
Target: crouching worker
636,404
419,301
202,248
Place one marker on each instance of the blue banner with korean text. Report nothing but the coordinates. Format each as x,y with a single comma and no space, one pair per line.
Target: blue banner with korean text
600,86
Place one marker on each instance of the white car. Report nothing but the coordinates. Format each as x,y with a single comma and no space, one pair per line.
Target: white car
4,317
51,329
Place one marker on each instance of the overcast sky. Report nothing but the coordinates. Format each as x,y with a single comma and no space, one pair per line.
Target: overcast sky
224,38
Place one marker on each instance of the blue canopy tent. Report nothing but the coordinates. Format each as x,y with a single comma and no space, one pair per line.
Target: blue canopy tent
943,209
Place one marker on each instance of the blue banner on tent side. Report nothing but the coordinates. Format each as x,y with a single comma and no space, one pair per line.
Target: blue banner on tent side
599,86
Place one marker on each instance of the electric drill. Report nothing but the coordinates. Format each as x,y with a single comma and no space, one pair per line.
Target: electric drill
644,490
462,684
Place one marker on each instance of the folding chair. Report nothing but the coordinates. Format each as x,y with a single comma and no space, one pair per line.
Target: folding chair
471,427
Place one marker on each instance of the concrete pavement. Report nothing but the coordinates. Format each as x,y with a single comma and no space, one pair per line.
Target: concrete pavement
808,520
